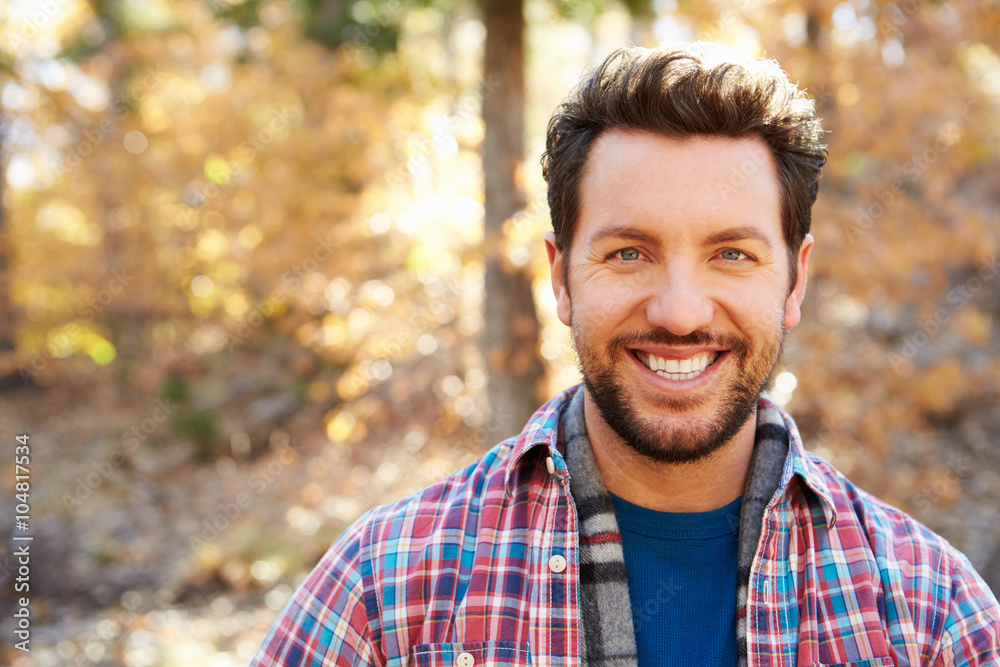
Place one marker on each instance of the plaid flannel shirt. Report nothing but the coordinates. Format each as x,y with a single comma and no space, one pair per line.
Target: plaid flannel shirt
482,568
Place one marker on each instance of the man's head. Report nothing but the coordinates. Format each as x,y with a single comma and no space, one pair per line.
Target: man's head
681,212
705,89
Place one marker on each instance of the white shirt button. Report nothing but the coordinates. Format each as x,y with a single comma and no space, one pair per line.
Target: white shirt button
465,660
557,563
550,465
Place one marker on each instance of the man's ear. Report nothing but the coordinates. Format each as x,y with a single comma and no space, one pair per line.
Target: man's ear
559,288
793,312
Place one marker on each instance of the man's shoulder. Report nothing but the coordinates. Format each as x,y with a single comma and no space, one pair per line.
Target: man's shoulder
856,518
889,530
915,567
909,556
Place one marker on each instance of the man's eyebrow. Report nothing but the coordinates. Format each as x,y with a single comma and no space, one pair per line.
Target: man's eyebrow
623,232
739,234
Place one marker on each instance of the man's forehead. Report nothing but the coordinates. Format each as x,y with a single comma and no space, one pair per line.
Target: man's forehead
633,180
738,157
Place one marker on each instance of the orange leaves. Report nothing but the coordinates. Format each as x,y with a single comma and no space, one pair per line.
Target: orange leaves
937,389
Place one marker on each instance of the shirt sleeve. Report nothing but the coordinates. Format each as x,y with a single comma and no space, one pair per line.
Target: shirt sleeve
326,622
971,637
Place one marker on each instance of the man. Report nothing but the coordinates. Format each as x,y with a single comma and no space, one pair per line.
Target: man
664,513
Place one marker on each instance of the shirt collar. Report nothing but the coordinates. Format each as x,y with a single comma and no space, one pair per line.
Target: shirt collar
799,462
542,430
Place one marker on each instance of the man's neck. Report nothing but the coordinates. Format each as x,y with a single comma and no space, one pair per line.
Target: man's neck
701,486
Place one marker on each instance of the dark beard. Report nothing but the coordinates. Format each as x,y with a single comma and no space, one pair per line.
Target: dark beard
703,437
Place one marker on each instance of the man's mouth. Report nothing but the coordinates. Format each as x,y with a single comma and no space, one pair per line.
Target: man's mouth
677,369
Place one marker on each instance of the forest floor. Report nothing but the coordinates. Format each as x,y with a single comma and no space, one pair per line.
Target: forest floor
144,555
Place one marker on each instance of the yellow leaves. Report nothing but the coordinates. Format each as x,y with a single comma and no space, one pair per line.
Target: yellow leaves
73,338
974,325
236,304
151,15
351,385
208,555
424,258
347,424
185,219
243,204
136,142
939,388
100,350
848,94
983,64
204,296
155,116
249,238
213,219
62,342
191,143
201,308
212,244
68,223
31,28
217,170
333,333
340,425
467,216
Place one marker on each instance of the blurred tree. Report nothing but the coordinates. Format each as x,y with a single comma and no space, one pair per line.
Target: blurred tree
511,333
9,377
510,338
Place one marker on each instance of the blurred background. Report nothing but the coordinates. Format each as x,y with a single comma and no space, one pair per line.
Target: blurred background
266,264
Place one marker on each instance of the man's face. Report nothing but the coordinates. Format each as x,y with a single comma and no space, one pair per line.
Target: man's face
677,287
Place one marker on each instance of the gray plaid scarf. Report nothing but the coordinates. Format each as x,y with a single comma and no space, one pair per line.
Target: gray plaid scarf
608,634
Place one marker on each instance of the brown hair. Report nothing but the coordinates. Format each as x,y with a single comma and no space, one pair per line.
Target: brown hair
681,93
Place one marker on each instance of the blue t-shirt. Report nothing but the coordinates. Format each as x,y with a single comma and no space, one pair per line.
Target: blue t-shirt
682,583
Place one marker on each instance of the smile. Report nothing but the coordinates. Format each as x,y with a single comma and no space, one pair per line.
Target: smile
677,369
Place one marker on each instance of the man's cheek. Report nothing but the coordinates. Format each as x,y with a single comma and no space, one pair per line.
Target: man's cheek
627,291
601,317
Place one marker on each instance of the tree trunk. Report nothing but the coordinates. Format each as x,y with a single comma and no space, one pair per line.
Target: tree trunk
9,376
511,338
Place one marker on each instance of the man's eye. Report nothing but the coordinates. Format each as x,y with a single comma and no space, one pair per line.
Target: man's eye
628,254
733,255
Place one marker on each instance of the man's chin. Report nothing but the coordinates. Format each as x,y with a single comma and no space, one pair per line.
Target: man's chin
671,428
677,441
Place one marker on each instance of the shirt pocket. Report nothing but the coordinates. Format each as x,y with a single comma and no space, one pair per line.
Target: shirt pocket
874,662
471,654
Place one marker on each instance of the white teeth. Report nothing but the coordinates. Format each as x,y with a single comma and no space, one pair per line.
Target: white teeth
678,369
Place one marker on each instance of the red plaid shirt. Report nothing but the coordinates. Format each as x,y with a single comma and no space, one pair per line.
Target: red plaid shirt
482,568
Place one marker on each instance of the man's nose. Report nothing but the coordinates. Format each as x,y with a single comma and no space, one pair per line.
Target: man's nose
679,301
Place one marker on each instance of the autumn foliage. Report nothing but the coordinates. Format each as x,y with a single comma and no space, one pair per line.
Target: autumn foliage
243,263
